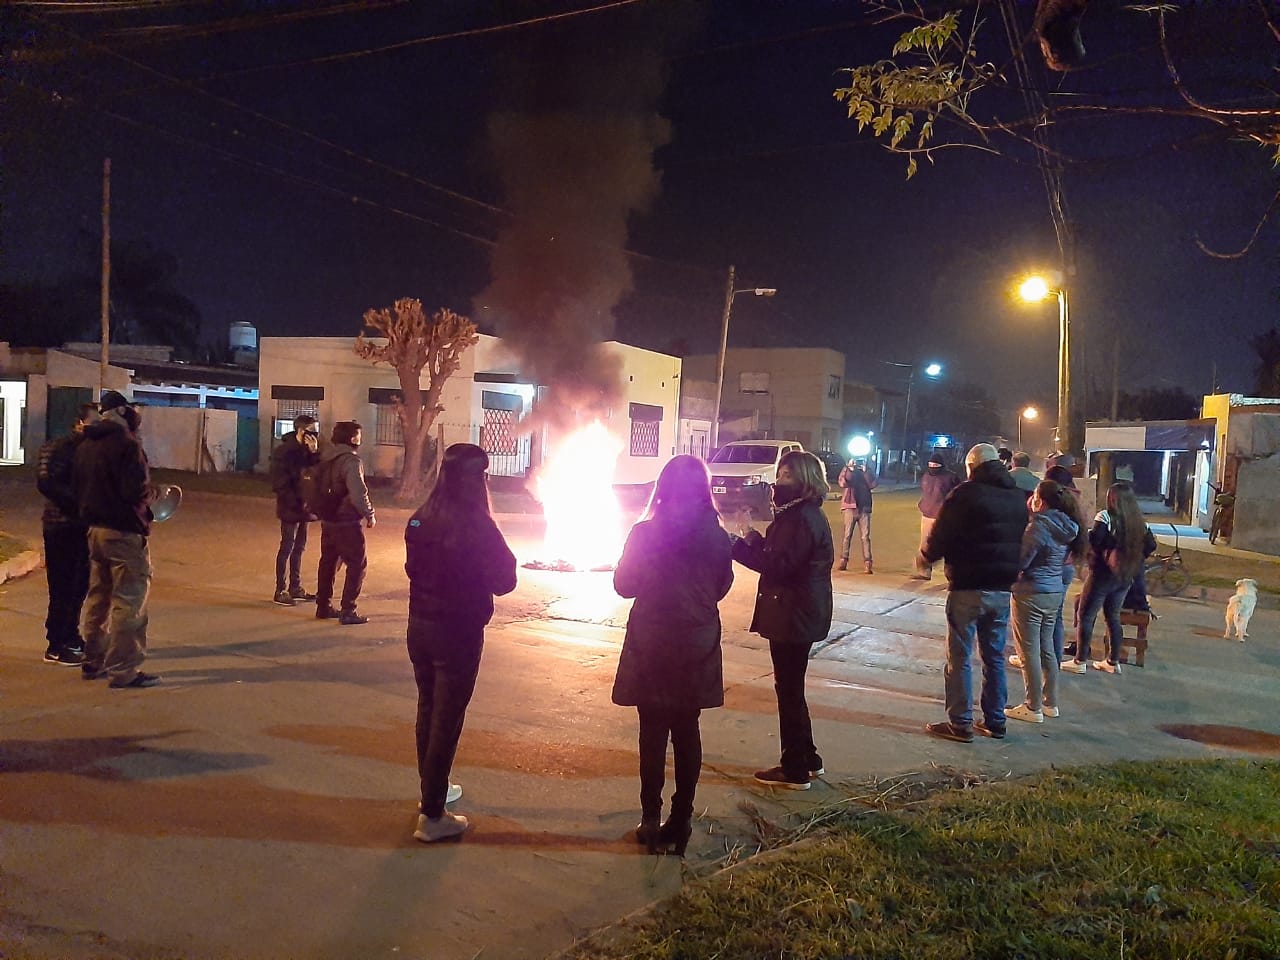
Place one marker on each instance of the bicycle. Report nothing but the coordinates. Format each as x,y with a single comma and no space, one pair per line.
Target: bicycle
1166,575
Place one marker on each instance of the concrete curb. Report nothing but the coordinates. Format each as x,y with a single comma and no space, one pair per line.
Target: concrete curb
20,565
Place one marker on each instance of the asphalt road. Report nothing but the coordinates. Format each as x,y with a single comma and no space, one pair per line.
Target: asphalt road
259,802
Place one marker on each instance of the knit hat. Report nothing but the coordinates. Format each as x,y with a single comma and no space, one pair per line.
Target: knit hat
111,399
935,461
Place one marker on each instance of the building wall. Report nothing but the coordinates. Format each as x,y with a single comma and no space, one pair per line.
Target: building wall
330,365
1257,523
801,399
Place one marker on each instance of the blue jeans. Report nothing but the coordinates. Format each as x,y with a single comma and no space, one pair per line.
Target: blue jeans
1105,592
862,521
984,615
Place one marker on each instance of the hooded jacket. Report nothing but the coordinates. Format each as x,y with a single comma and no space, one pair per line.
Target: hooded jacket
456,568
979,531
355,505
935,484
55,479
858,485
1046,546
288,460
678,567
112,478
1102,540
793,558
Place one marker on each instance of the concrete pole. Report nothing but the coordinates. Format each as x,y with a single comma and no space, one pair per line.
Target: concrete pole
724,344
106,275
1066,438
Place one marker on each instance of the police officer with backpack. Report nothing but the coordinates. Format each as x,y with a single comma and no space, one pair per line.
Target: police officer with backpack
293,455
342,504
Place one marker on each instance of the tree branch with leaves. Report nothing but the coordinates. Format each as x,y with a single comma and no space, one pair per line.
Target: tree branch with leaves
411,343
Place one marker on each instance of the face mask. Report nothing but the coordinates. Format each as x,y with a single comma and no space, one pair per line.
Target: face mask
785,492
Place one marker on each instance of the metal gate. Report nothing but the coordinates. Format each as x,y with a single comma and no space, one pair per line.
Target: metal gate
499,438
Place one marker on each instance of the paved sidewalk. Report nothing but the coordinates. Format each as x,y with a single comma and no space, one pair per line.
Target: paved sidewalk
259,802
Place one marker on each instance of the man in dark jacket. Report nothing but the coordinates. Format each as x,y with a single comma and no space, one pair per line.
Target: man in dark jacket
936,483
978,534
341,534
855,508
113,490
292,455
66,545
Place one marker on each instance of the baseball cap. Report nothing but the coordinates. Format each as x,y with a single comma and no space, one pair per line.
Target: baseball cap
1060,474
980,453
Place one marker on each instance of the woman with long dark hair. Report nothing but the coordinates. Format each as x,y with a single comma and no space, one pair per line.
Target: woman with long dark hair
793,605
676,564
457,561
1054,536
1118,543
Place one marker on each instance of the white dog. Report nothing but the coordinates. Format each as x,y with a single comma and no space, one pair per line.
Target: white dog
1240,608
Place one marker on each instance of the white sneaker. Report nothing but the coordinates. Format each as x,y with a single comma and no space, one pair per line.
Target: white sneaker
1106,667
1050,712
449,825
1074,666
1023,712
1014,660
453,793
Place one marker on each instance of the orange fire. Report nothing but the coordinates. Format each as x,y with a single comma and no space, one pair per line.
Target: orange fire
575,486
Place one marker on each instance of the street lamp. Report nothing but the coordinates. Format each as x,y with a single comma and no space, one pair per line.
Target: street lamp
729,294
932,370
1029,413
1034,289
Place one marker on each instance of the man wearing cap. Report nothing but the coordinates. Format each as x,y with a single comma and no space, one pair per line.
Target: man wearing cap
113,490
292,455
978,533
936,483
66,548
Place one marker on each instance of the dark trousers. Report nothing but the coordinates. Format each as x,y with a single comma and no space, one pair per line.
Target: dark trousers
1105,592
293,540
446,660
66,566
657,725
790,661
345,542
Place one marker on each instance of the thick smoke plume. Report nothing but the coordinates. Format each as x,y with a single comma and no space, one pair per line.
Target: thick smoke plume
576,162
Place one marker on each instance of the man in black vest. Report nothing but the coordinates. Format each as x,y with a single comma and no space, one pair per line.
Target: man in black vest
978,534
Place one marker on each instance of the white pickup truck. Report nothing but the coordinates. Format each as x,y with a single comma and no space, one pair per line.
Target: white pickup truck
743,473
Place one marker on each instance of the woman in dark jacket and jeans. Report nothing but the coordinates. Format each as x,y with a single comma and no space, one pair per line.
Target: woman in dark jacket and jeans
793,605
676,565
457,560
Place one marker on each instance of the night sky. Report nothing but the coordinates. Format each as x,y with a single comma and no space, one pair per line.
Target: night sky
697,134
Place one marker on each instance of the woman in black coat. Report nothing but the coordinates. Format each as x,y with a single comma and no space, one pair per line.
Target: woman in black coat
457,560
793,605
676,565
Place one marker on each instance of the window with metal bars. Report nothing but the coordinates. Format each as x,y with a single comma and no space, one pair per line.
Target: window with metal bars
287,410
387,429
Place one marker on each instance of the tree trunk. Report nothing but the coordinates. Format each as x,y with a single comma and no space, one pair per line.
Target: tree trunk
416,418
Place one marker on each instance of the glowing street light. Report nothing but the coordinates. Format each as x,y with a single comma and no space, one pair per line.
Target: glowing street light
729,294
1035,289
932,370
1029,413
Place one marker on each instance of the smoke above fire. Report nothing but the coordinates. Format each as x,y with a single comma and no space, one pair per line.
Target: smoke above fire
576,161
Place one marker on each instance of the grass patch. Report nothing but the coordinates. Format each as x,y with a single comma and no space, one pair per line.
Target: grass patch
1142,860
10,547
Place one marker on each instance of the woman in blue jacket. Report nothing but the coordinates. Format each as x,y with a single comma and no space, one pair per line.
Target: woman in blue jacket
1053,538
676,565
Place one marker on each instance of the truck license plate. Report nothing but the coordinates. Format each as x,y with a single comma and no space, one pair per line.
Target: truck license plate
717,489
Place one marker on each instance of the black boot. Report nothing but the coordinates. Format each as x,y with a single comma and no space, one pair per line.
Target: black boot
675,833
648,833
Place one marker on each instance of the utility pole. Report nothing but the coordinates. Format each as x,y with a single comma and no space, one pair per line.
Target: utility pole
724,344
106,274
1115,380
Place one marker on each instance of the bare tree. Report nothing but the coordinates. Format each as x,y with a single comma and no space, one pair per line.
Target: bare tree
415,343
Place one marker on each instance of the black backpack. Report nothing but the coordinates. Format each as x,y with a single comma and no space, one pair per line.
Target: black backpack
322,488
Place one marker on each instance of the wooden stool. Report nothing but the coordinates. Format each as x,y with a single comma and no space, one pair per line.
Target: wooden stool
1140,619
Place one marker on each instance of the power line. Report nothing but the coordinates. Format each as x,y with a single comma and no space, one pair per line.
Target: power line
417,41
